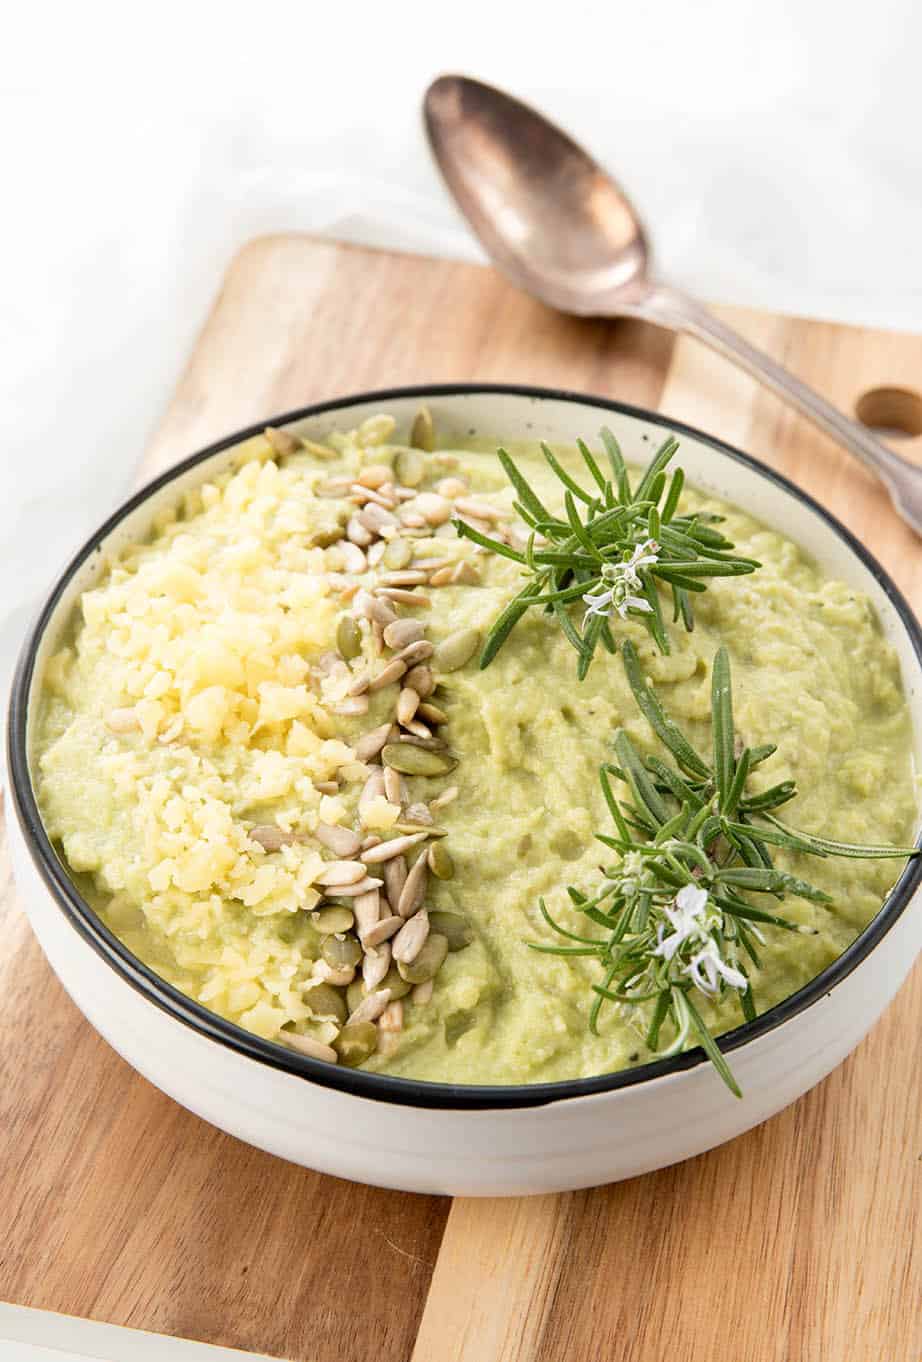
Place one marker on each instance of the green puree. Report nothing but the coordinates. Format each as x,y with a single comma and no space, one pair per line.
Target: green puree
811,672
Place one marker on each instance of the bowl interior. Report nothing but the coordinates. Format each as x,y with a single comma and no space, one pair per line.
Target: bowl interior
507,414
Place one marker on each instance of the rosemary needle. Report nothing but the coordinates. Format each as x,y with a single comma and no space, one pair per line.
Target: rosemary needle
693,847
611,551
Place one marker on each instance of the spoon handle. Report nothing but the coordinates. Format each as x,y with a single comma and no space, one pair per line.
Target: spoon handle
903,480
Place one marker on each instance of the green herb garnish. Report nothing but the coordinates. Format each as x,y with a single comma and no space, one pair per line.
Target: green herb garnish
613,549
693,843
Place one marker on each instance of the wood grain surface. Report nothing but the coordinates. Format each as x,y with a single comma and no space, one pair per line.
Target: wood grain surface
798,1242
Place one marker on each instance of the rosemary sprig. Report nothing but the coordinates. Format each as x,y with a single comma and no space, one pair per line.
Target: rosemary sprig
693,844
612,551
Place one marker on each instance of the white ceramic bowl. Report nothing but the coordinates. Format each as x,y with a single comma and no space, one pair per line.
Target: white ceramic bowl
434,1137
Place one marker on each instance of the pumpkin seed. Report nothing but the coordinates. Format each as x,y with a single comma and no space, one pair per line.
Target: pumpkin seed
454,651
319,451
417,761
356,1042
440,862
348,638
395,985
325,537
326,1003
306,1045
398,553
453,927
337,975
354,994
410,467
422,993
281,442
422,432
432,713
330,921
427,964
341,951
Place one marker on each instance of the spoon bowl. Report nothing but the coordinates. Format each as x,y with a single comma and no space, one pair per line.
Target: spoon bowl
563,230
548,215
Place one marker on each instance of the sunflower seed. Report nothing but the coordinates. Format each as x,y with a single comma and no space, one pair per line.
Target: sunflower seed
396,846
370,744
352,556
465,574
427,741
374,475
401,596
432,714
270,837
365,886
416,652
342,842
371,1007
417,813
393,786
422,681
391,1019
306,1045
411,938
392,672
364,496
338,873
358,532
447,796
375,965
319,451
427,962
360,684
454,651
443,577
332,488
371,790
418,729
451,488
281,442
402,632
480,510
383,930
330,787
434,509
376,552
407,705
413,519
374,518
372,840
366,909
414,890
422,432
395,877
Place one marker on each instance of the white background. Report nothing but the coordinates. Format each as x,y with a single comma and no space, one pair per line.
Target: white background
773,147
770,146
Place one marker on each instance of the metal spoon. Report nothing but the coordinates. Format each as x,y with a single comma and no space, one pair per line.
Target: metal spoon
561,228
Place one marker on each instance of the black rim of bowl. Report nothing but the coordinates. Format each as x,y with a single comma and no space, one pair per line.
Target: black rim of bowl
377,1086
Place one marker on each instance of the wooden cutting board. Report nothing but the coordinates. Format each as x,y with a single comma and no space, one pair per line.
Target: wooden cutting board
798,1242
